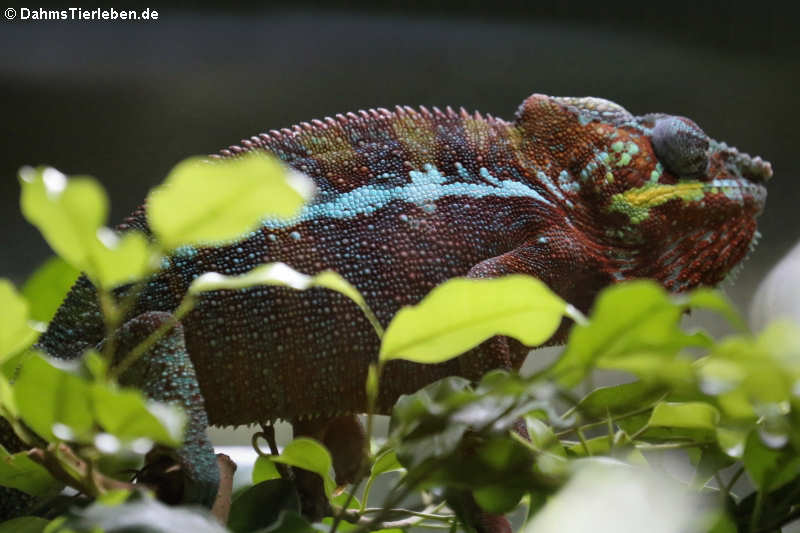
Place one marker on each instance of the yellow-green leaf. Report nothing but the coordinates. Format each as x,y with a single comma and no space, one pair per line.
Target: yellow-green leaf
282,275
696,415
21,472
15,333
211,202
120,259
70,213
47,287
310,455
48,397
461,313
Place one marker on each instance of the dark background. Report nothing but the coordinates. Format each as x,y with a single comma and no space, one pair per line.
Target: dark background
124,101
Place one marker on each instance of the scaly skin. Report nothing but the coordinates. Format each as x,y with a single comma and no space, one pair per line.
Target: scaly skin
574,191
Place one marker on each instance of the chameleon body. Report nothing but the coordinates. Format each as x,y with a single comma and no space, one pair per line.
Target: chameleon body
575,191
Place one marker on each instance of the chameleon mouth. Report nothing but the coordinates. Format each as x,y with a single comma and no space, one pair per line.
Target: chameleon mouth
753,169
739,190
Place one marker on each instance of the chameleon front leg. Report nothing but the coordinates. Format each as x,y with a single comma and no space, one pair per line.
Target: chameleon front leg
166,374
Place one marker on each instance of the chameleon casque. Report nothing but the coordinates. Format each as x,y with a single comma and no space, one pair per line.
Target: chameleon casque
575,191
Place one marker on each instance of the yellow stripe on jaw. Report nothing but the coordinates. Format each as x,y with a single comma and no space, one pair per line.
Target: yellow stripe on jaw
653,195
636,203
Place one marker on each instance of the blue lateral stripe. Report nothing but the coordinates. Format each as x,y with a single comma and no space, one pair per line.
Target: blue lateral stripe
425,187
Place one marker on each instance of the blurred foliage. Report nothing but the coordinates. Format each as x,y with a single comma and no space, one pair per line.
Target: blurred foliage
730,404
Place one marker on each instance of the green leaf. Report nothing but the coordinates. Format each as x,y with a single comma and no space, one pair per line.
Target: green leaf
619,399
96,364
732,441
264,470
696,415
386,462
15,333
769,469
47,395
590,447
543,437
282,275
128,415
25,524
498,499
120,259
723,524
310,455
70,213
7,403
214,202
711,461
22,473
461,313
714,300
653,366
290,522
630,318
260,506
48,286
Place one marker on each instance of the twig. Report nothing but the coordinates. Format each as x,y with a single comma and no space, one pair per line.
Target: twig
64,465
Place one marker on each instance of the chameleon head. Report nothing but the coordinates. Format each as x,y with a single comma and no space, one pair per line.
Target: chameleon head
658,197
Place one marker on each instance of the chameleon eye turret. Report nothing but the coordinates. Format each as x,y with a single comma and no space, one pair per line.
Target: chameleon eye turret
681,146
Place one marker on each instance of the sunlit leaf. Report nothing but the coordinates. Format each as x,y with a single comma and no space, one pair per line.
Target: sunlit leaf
310,455
68,212
22,473
211,202
15,333
282,275
696,415
264,470
714,300
46,288
47,396
619,399
461,313
629,318
769,468
71,213
25,524
126,414
119,259
387,462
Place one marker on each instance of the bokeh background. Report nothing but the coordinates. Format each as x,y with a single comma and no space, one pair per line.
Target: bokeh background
125,101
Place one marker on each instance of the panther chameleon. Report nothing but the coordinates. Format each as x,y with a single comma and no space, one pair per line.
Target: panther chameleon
575,191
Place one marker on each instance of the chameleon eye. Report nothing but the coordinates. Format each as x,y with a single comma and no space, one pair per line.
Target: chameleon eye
681,146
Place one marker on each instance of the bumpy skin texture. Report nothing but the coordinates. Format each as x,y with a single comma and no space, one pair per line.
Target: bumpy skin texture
574,191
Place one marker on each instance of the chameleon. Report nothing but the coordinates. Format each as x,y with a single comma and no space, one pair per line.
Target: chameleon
577,192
